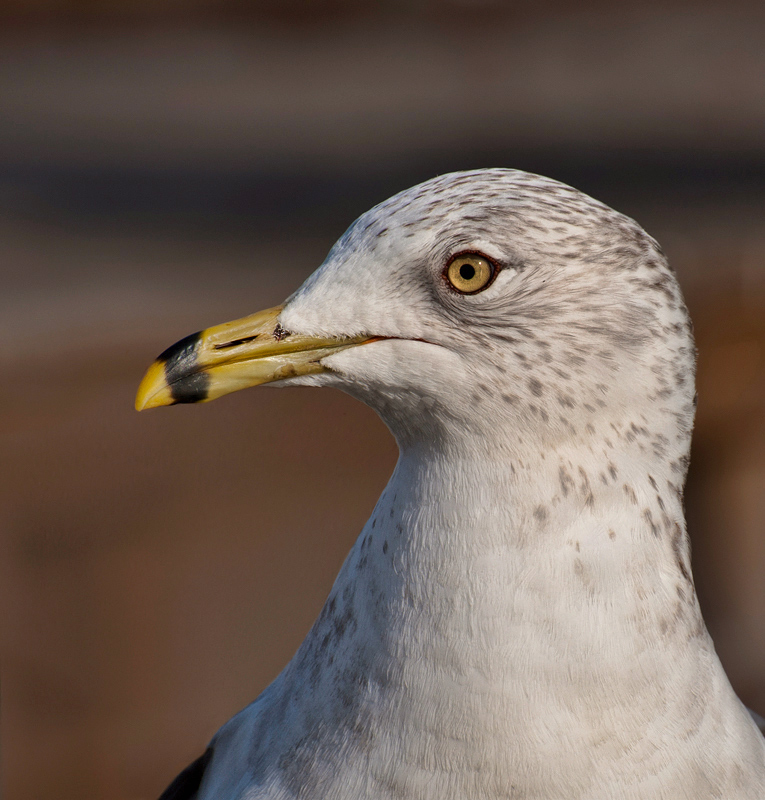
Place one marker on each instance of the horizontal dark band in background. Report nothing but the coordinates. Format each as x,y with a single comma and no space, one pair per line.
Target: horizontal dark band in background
307,195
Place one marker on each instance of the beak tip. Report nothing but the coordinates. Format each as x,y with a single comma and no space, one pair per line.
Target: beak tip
142,403
153,390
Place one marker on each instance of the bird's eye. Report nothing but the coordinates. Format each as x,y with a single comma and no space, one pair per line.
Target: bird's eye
469,273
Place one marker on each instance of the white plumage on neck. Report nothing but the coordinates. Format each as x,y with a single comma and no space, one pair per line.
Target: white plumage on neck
460,653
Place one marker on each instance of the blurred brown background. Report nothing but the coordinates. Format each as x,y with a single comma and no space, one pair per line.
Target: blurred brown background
165,166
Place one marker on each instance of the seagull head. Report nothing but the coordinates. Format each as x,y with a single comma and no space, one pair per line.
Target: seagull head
491,306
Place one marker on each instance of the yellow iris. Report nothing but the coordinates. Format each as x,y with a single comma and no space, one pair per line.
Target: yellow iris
469,273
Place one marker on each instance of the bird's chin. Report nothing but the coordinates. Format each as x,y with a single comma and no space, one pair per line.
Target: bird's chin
399,365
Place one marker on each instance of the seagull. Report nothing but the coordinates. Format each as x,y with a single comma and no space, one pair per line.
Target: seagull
517,619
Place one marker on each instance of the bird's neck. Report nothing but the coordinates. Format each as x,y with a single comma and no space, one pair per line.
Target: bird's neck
544,558
480,614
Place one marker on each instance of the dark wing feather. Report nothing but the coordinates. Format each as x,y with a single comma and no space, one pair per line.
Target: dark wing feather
185,786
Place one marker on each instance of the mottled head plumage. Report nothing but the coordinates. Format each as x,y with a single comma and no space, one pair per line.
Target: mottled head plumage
584,314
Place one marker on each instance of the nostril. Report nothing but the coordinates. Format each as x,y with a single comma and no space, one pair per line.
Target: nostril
235,342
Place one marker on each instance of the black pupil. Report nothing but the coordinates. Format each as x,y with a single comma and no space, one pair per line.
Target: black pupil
467,272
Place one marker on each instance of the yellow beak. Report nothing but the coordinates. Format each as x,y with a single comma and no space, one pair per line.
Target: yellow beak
233,356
